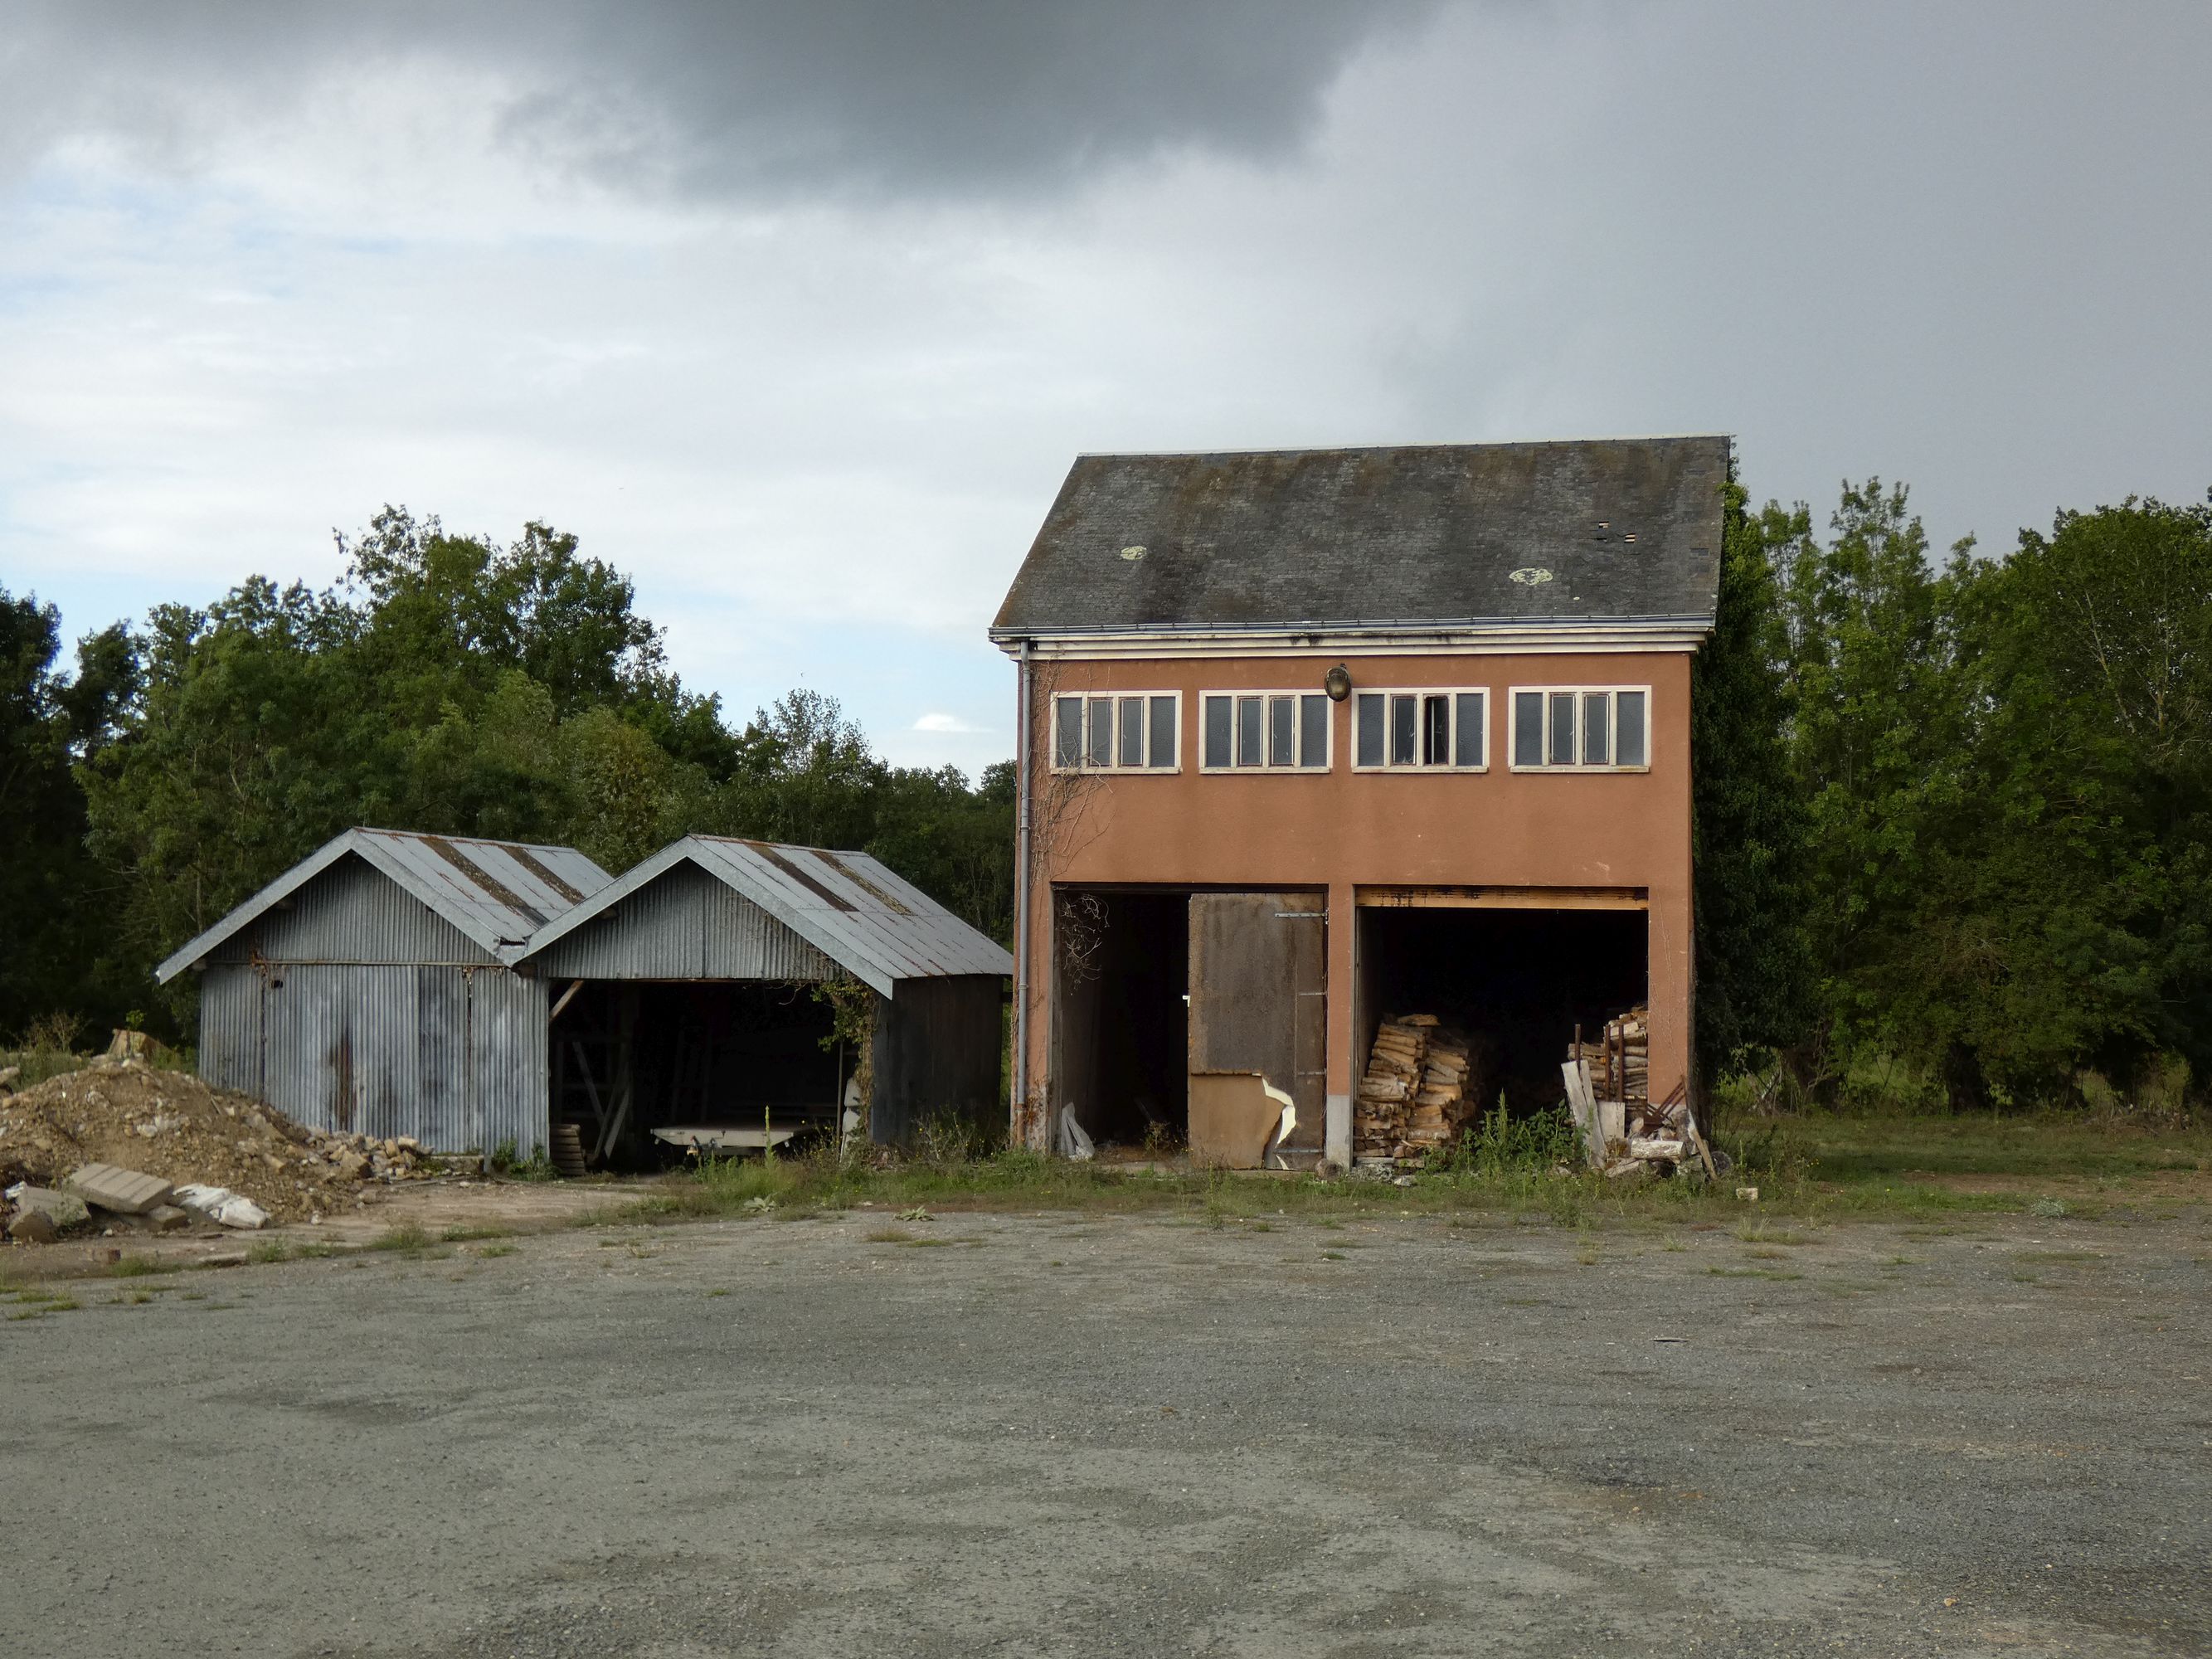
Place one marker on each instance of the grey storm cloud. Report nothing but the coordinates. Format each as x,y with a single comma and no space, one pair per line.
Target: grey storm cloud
696,99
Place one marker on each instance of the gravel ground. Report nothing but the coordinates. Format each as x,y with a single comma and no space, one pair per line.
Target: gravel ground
1053,1435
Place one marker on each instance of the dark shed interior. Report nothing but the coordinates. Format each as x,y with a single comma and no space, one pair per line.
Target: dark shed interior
1121,1014
1521,978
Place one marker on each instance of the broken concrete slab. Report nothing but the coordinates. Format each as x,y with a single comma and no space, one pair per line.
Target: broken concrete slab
165,1219
126,1192
62,1211
33,1227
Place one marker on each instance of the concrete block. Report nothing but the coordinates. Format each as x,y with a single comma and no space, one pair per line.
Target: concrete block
166,1217
126,1192
31,1227
63,1210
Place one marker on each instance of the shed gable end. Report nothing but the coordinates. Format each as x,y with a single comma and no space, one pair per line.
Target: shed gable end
351,913
685,924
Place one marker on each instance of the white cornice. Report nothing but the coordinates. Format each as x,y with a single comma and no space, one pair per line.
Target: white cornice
1682,634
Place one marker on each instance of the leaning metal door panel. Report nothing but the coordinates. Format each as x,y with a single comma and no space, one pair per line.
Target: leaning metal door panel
1258,994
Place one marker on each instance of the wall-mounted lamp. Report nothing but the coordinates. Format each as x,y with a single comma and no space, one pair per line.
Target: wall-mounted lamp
1337,682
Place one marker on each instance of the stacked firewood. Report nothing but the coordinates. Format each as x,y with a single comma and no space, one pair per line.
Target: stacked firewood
1620,1060
1415,1095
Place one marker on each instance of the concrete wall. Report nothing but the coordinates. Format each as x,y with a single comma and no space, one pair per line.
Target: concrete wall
1341,831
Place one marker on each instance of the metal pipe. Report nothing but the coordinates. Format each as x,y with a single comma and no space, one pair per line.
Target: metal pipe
1019,1088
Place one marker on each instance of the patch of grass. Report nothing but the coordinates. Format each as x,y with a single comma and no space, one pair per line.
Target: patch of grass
2056,1255
1334,1256
406,1236
52,1302
1750,1273
139,1267
927,1244
1853,1149
1810,1169
888,1235
507,1160
491,1250
1763,1253
1759,1232
132,1299
1587,1255
712,1294
464,1235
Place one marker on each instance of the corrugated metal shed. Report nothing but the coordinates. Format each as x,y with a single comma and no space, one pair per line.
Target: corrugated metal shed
495,894
367,990
847,906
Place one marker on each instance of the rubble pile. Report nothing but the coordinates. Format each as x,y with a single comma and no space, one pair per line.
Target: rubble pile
178,1134
1419,1091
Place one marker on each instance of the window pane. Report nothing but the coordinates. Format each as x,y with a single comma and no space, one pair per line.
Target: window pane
1164,731
1436,730
1130,719
1217,730
1282,731
1247,730
1528,728
1099,751
1068,732
1404,711
1562,751
1597,728
1466,740
1367,747
1630,751
1312,730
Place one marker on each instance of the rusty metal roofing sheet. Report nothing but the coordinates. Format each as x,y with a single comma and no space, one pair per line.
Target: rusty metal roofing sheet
878,927
497,893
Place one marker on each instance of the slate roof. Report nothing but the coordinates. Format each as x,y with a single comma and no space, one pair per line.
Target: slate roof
1628,528
495,892
875,926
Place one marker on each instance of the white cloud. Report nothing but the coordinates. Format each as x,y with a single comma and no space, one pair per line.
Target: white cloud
822,434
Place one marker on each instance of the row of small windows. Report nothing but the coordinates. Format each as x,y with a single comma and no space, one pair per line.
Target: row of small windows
1446,729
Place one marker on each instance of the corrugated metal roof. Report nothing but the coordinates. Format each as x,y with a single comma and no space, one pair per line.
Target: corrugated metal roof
878,927
1464,534
496,892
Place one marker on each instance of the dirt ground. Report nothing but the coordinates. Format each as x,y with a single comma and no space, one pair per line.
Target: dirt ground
1130,1435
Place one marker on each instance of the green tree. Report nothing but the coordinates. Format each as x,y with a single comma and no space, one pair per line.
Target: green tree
57,957
1749,826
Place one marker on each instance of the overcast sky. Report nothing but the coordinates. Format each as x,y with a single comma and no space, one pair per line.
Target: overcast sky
798,313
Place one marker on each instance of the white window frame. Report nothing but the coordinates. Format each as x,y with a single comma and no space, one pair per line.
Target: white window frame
1454,693
1303,766
1114,698
1578,767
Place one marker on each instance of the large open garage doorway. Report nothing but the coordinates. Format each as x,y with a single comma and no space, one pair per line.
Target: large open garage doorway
632,1056
1120,1015
1514,983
